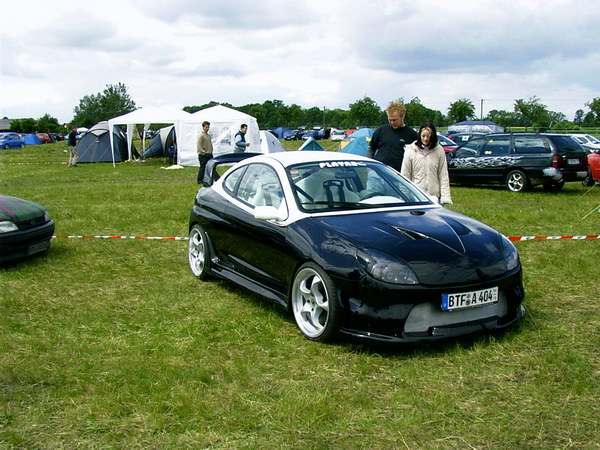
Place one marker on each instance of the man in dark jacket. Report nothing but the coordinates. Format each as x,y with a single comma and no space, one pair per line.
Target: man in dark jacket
388,141
72,143
239,142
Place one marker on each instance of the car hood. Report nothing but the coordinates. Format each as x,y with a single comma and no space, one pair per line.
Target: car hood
441,246
18,210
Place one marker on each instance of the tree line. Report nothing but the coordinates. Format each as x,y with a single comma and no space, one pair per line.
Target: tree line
114,101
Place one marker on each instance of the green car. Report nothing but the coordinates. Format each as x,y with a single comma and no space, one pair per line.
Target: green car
25,228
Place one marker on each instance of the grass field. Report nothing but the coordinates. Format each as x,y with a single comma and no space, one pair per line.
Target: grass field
114,344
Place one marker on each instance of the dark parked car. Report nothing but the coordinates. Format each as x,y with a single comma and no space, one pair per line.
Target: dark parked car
351,248
295,135
11,140
315,134
519,161
25,228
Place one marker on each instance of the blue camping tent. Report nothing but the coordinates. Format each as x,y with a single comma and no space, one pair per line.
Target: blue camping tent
311,144
358,142
161,144
281,132
32,139
94,145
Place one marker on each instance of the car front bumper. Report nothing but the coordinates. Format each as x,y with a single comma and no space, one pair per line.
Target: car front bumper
20,244
413,315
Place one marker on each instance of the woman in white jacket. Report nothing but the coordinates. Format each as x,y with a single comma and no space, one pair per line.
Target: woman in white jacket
425,164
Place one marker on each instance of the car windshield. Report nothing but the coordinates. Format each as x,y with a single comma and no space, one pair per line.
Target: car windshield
592,139
348,185
3,135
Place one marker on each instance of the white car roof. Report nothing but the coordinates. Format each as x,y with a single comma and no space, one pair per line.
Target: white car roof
294,157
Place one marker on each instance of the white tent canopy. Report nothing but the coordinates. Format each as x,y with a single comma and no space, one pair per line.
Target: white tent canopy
224,124
147,116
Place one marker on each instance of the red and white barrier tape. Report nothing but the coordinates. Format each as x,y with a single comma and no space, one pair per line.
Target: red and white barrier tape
179,238
553,238
150,238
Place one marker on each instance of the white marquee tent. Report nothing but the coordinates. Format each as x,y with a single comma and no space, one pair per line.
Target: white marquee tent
224,124
147,116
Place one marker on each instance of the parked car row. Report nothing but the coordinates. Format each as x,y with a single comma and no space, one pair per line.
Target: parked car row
17,140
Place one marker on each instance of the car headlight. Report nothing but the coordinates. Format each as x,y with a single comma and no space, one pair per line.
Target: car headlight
384,267
511,255
46,216
6,226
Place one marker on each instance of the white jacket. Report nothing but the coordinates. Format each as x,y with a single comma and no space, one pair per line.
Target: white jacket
429,172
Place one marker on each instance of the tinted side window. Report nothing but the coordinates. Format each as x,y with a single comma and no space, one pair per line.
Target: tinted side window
531,144
471,148
497,146
566,144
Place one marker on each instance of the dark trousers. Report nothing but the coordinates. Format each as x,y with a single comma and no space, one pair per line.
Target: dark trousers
202,159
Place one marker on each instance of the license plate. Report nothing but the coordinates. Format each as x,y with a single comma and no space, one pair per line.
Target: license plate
470,299
39,247
573,161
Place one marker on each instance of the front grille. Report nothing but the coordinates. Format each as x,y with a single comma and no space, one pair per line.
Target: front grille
29,224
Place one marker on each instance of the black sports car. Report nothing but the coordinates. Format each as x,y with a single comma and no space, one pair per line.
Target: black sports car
352,248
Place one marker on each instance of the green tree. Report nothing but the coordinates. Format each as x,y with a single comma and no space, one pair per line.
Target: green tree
533,112
578,119
417,114
112,102
365,112
48,124
594,106
461,110
589,119
313,116
193,109
28,125
291,116
335,117
504,118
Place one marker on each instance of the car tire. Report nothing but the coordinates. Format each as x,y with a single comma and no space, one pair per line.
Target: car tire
553,186
198,252
589,180
315,303
22,145
517,181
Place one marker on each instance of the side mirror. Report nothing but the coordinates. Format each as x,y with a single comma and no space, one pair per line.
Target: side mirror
270,213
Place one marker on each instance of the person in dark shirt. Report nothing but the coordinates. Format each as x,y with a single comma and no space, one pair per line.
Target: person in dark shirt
388,141
72,144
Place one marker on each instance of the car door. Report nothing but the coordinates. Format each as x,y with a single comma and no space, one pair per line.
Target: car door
463,162
256,249
495,159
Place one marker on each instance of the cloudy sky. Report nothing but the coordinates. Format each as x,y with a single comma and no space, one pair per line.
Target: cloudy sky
324,53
